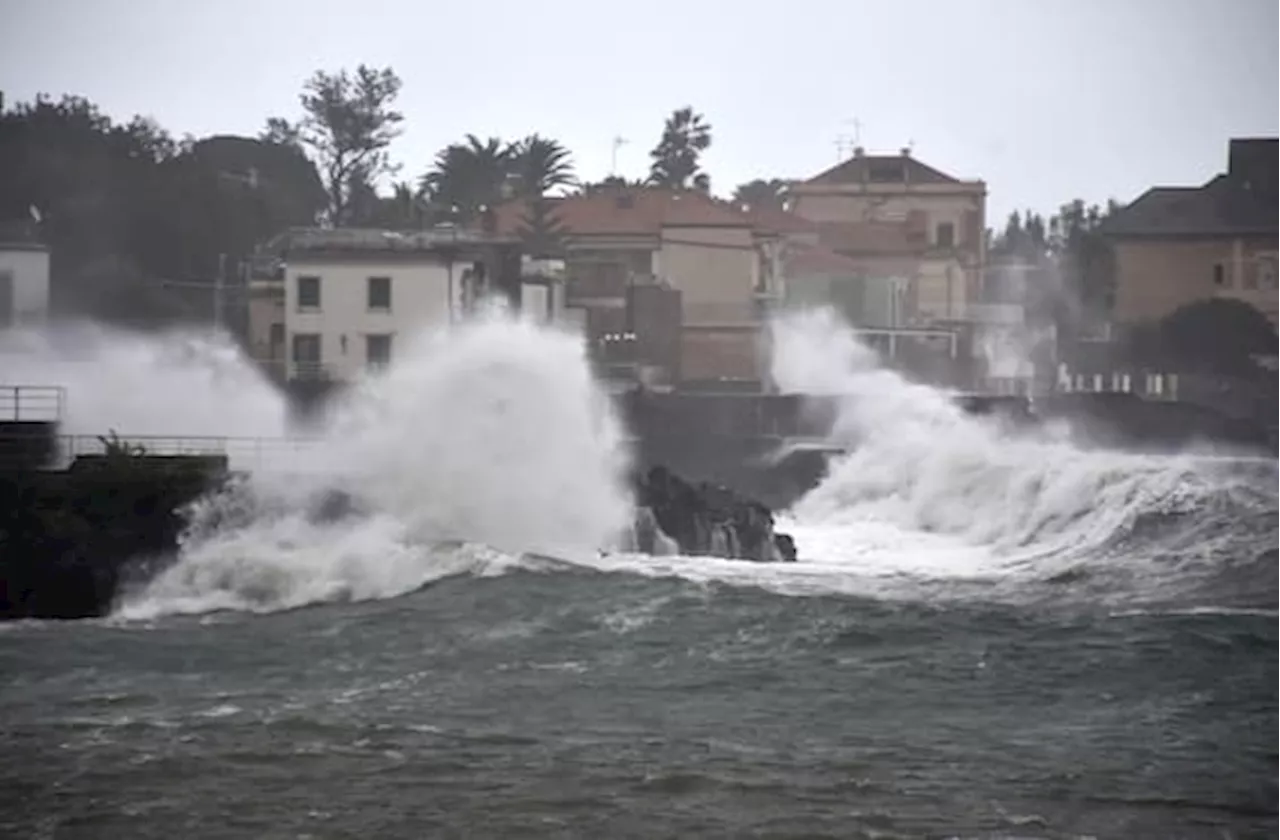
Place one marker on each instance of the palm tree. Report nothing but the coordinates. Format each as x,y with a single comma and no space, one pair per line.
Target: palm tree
468,176
540,165
762,193
675,159
613,182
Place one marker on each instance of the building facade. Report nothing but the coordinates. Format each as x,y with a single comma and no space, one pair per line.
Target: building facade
332,304
1174,246
902,218
637,257
24,279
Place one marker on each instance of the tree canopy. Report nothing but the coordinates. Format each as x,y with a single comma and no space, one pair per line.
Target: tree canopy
1219,335
138,222
676,158
348,122
1068,246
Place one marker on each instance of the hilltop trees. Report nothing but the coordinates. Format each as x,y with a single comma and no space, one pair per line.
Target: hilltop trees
136,220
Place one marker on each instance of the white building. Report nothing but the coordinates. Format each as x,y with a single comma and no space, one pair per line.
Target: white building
340,301
24,283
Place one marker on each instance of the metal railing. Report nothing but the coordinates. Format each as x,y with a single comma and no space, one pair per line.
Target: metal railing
250,454
32,403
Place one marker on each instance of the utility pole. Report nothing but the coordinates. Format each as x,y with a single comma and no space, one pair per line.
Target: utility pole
218,285
618,142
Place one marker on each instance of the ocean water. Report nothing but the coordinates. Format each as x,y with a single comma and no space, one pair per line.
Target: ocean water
986,636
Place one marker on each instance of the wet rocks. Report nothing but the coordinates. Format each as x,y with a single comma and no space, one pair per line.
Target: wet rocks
705,519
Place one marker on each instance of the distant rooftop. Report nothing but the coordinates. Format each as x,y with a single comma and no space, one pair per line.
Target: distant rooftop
1242,201
372,240
627,210
901,168
20,235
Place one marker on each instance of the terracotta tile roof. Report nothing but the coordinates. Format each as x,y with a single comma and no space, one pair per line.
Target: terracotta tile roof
807,260
628,211
882,169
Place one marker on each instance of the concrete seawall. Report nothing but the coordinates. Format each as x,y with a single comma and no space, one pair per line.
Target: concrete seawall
71,539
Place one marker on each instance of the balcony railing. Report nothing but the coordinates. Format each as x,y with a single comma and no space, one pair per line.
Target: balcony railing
32,403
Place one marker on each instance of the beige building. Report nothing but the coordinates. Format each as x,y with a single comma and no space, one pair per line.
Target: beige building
24,277
722,267
1178,245
899,217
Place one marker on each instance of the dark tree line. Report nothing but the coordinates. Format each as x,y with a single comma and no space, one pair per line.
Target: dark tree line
138,222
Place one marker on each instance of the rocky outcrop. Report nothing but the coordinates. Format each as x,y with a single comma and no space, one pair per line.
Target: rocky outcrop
704,519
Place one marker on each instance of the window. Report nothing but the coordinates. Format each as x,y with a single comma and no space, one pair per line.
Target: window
886,171
945,235
306,355
276,336
377,350
379,293
1219,274
1267,273
308,293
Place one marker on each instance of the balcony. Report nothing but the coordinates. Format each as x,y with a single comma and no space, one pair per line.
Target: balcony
32,403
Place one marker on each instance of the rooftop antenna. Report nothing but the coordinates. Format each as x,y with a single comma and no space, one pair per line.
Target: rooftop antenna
618,142
847,144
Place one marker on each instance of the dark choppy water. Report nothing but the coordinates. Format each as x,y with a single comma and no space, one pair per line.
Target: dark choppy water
576,703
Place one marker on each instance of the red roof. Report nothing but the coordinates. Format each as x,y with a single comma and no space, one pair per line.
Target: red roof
628,211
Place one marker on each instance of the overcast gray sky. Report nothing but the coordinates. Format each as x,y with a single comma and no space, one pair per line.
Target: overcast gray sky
1045,101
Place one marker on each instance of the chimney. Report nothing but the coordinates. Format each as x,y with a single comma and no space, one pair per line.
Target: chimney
858,152
906,151
1255,163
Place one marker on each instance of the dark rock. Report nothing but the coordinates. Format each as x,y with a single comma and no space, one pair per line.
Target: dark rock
704,519
71,541
786,547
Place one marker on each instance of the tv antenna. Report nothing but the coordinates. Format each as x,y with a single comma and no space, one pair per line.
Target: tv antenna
618,142
847,143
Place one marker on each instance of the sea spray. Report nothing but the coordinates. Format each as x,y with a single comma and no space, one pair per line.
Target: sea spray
482,440
177,383
918,461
